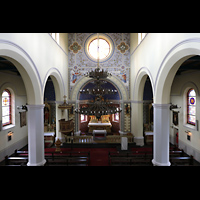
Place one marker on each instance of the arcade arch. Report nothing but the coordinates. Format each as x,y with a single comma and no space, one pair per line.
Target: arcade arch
164,79
138,103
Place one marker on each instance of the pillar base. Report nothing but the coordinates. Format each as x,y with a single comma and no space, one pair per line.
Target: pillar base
37,164
160,164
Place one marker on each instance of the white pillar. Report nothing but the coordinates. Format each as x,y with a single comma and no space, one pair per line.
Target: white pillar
36,135
58,117
137,122
161,135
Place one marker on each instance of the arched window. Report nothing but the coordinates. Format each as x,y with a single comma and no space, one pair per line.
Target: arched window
191,107
6,108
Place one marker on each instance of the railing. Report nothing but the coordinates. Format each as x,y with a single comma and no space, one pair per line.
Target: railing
117,138
89,139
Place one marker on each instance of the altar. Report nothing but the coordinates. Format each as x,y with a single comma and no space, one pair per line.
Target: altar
104,124
100,126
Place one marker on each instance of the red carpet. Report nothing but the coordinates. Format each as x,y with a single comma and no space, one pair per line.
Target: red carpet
99,156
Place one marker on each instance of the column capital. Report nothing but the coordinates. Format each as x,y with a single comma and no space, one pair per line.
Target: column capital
36,107
162,106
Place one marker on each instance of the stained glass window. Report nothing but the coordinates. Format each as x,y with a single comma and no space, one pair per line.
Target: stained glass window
191,107
6,108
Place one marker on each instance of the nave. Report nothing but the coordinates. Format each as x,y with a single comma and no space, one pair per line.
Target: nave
100,155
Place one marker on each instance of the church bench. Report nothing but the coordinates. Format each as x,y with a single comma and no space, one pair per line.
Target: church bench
177,161
135,154
19,153
16,160
177,153
138,157
83,154
130,161
66,161
141,153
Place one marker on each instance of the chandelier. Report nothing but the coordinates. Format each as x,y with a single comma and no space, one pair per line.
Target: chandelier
99,106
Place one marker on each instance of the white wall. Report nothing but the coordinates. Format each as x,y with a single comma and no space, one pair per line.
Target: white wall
179,89
44,56
20,136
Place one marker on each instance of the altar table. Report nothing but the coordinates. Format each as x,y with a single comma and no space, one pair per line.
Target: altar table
100,126
96,133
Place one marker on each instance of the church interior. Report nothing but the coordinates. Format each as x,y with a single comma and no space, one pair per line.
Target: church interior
99,99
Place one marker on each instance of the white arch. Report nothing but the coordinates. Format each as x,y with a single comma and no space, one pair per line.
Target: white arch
169,66
57,82
140,82
26,68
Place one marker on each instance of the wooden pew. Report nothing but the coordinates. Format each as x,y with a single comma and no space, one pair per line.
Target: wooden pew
17,152
130,161
21,161
66,158
81,154
66,161
182,161
137,157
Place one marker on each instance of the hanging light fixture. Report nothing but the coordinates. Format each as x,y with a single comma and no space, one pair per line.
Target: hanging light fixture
99,106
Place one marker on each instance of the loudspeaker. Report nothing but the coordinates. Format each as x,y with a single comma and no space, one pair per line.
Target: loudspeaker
197,125
0,125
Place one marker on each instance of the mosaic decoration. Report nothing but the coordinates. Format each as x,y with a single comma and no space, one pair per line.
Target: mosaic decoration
75,47
122,47
80,64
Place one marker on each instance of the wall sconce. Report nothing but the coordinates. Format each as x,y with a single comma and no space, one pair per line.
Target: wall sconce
188,135
22,107
10,133
172,106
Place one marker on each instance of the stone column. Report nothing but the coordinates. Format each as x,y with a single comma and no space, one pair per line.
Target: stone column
137,122
36,135
161,135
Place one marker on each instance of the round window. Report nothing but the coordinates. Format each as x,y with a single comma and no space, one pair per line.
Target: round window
99,49
102,48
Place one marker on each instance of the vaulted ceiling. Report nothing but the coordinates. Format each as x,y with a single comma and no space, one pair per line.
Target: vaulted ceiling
7,67
190,65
